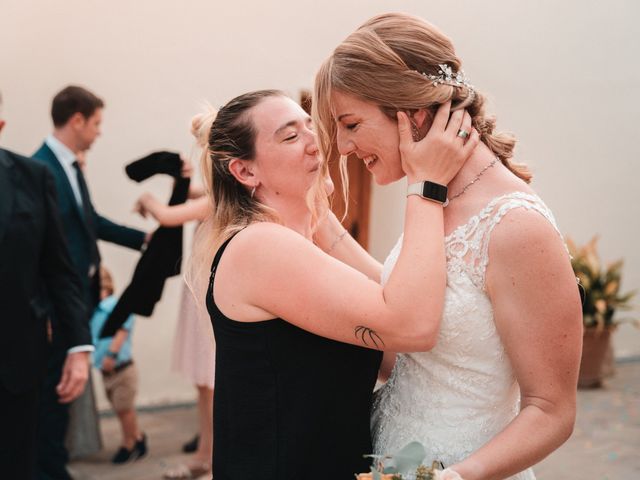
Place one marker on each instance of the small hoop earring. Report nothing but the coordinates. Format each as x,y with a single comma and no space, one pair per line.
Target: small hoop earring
253,191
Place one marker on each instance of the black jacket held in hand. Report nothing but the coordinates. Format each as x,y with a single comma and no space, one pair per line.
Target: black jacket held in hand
163,257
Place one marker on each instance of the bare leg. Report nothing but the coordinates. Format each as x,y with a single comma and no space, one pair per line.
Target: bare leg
200,463
205,419
129,425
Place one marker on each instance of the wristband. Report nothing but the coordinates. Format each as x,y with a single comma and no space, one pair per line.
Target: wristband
429,191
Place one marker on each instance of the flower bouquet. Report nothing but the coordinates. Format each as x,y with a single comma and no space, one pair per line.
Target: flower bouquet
407,465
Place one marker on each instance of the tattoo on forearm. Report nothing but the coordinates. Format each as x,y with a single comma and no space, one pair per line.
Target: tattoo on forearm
369,336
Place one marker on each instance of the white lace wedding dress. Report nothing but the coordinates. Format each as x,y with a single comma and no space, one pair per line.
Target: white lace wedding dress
459,395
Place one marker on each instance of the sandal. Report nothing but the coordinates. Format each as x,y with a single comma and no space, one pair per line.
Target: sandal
184,471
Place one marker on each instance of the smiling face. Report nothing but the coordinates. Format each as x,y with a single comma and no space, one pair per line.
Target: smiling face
286,162
362,129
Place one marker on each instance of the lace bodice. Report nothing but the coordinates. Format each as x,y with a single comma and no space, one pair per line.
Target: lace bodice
457,396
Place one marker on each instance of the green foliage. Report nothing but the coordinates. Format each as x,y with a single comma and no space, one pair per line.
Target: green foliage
407,459
405,464
601,285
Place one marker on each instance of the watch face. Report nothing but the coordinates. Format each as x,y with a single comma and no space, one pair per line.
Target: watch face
434,191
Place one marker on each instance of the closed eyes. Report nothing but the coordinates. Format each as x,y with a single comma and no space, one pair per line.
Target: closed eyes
293,135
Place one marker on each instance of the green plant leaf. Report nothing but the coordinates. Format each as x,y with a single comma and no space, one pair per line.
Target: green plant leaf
601,285
407,459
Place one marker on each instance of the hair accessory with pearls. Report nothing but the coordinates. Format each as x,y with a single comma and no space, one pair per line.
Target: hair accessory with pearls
446,76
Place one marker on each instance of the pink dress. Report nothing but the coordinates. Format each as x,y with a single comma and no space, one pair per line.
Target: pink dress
194,345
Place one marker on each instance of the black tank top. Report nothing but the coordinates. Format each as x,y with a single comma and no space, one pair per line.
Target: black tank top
288,404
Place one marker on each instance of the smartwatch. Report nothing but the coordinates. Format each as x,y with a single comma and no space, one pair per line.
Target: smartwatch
430,191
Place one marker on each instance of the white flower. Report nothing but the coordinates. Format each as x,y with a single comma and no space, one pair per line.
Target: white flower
446,474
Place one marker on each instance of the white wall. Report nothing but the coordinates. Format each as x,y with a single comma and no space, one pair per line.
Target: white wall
563,75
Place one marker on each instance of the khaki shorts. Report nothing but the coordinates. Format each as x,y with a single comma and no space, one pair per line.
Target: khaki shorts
121,388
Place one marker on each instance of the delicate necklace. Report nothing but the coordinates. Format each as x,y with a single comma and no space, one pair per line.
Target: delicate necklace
473,181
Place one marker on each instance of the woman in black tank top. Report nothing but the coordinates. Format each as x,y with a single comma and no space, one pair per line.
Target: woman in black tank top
298,333
288,400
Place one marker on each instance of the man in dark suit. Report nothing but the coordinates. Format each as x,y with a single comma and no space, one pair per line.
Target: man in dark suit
76,114
33,255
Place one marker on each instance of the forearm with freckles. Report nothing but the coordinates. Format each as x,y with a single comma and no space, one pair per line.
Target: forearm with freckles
537,431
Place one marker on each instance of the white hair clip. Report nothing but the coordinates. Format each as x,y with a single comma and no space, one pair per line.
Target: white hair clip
447,77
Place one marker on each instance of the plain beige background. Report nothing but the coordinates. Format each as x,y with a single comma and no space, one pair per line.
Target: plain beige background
563,75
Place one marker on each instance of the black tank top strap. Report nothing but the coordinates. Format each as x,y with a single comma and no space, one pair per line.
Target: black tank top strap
218,255
211,306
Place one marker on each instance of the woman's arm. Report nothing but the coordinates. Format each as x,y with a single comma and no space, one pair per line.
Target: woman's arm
332,237
270,271
196,191
386,367
173,216
539,318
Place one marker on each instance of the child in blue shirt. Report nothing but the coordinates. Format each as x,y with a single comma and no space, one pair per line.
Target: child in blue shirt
112,356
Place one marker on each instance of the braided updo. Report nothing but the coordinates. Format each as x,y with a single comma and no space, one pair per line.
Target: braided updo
387,61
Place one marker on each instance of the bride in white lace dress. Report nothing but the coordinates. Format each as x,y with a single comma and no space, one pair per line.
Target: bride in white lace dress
496,393
460,394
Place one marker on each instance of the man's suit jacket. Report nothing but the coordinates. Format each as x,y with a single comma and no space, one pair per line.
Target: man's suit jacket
82,233
33,252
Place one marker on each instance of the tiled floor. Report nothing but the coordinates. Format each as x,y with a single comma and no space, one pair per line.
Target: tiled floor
605,444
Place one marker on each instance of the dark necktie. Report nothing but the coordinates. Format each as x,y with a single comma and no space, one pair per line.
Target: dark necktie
84,195
87,210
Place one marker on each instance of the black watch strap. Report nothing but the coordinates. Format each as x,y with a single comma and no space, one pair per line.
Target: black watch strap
429,190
